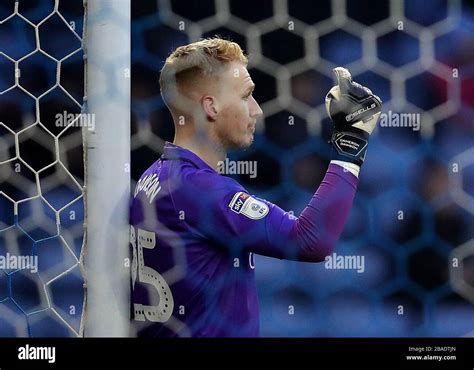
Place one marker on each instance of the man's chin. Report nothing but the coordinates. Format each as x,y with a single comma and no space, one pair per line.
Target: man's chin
244,144
247,143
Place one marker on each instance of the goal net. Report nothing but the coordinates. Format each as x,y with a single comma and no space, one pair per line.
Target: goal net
41,169
64,128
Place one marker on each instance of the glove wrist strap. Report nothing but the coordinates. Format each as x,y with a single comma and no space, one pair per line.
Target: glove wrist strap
350,146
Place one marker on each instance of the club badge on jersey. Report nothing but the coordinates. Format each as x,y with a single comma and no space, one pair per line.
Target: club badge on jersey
244,204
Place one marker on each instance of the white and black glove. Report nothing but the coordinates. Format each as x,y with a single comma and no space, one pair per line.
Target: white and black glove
354,110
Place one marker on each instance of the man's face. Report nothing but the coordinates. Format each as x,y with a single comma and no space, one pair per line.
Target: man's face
238,110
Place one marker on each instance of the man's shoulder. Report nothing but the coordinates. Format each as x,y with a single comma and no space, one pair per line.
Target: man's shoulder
199,189
184,181
189,176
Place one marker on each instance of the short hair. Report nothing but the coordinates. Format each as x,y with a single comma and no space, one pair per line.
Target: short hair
207,57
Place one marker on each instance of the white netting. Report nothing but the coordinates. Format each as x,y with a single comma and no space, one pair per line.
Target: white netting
41,169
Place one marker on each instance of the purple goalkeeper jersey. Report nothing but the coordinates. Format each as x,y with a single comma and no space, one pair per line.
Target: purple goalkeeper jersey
193,235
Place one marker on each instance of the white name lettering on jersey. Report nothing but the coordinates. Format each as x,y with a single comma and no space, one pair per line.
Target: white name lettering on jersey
150,185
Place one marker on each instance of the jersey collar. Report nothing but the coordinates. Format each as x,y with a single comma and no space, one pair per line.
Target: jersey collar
175,152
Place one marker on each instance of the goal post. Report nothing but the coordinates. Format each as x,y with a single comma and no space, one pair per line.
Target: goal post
107,160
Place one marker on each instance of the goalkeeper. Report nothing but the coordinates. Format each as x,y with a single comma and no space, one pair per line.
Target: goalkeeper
194,231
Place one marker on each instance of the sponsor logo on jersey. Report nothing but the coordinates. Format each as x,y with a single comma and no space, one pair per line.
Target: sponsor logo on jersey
244,204
238,201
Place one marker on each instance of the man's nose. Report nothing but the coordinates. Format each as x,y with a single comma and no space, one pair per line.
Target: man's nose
255,110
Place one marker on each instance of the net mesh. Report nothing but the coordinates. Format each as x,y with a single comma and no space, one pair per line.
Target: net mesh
41,168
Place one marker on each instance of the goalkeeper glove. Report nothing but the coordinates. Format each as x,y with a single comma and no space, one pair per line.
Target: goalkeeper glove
354,110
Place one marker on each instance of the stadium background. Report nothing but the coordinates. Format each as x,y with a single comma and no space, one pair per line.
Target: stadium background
427,68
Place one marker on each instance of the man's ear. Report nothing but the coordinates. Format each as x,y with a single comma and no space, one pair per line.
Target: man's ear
209,104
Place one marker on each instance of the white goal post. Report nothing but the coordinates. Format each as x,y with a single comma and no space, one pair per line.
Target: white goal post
107,160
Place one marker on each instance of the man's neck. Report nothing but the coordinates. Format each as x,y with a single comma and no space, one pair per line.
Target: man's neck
208,151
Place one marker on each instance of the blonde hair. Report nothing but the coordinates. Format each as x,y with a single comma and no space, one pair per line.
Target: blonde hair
199,59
